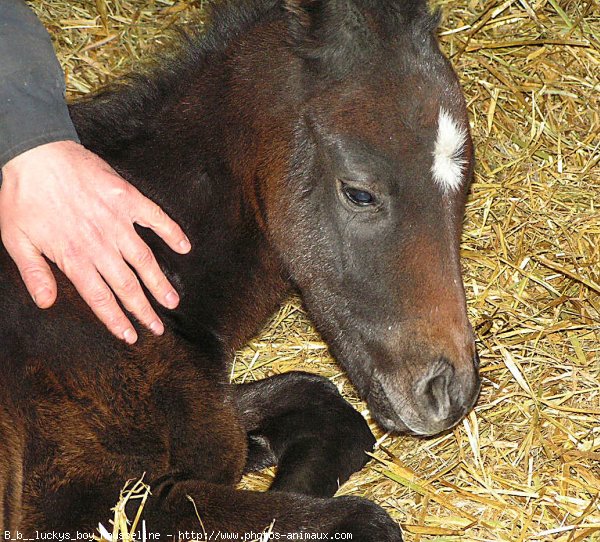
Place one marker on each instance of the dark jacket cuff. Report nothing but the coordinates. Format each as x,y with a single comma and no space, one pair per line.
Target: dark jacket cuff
32,112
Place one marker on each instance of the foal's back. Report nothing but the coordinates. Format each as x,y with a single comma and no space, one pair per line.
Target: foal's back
81,412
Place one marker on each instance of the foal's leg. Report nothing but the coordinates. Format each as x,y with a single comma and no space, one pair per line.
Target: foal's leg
205,511
301,423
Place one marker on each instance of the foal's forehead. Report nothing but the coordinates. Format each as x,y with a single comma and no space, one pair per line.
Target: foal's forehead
424,132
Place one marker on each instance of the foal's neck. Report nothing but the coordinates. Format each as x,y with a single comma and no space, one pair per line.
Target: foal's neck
232,280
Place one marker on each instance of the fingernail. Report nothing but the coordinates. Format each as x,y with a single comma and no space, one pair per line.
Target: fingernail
130,336
185,245
157,327
172,299
41,297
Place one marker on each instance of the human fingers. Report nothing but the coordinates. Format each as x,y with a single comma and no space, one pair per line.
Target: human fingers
150,215
96,293
140,257
34,270
127,288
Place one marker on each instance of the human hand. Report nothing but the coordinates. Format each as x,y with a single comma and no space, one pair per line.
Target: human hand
61,201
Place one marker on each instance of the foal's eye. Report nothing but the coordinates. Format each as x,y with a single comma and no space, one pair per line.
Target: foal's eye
357,196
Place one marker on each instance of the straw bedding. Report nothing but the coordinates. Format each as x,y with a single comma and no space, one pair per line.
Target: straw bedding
525,465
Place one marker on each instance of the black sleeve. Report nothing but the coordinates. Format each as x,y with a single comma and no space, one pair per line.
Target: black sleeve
33,110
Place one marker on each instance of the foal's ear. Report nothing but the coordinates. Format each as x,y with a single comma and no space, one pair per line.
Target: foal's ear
430,21
302,11
326,33
309,14
306,14
331,35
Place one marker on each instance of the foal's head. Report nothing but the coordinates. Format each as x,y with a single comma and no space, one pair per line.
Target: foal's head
369,219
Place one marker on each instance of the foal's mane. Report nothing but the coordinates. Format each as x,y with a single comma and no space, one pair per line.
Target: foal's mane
122,109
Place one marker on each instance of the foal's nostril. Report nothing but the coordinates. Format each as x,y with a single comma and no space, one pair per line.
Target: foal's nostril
435,390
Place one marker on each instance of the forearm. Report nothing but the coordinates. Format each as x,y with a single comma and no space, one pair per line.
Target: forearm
33,110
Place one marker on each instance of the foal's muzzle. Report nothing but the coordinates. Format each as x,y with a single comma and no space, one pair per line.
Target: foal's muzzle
436,402
446,395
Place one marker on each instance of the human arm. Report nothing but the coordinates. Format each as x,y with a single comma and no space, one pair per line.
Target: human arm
61,201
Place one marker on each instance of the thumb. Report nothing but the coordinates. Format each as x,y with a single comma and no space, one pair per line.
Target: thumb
35,272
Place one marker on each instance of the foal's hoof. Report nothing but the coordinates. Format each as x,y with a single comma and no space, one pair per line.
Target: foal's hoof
367,522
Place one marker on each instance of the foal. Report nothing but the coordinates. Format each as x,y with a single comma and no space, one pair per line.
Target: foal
321,145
